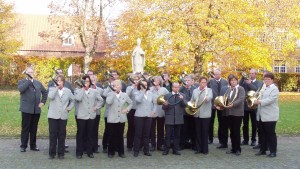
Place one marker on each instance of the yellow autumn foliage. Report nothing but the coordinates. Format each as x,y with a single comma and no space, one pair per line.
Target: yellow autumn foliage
196,36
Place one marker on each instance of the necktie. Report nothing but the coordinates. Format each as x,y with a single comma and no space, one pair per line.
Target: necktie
32,86
219,87
176,95
232,90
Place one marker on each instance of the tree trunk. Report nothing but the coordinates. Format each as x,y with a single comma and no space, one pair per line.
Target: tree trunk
87,61
198,65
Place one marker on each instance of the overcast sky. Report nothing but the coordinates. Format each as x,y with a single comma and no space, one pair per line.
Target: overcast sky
41,7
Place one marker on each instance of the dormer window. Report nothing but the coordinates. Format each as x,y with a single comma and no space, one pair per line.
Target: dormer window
68,39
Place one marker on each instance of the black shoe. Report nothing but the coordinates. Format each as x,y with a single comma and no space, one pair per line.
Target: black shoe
152,148
260,153
35,149
122,155
66,146
222,146
79,156
176,153
237,153
244,143
110,156
147,154
90,155
205,153
135,154
66,151
61,157
210,141
197,152
253,143
272,155
257,146
23,150
104,151
230,152
51,157
166,152
161,148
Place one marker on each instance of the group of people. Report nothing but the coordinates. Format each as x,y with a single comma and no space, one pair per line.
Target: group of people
151,125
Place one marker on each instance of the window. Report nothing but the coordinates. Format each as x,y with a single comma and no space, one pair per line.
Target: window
298,44
262,38
297,68
12,68
279,66
277,45
68,39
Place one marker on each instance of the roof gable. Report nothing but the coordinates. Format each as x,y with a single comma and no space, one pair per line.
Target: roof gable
31,31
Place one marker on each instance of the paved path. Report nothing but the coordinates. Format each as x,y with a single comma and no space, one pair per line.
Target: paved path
288,157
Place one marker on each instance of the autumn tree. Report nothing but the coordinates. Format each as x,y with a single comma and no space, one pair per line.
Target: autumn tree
8,42
84,18
281,29
9,45
190,34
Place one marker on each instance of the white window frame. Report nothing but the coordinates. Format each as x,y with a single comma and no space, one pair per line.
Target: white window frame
277,45
12,68
68,39
297,67
262,38
279,67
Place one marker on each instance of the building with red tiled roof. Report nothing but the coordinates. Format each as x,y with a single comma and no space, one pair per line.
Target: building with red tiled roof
33,29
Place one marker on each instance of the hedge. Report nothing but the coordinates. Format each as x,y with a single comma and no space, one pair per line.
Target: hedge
44,70
43,67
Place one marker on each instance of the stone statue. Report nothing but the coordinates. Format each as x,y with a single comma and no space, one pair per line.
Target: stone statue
138,58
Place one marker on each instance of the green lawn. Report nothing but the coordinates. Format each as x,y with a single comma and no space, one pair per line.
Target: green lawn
10,116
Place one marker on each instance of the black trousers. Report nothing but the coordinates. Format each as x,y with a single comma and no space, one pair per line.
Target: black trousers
84,129
116,139
29,128
175,129
259,132
202,127
85,137
142,130
57,136
95,133
105,135
234,123
221,130
252,115
269,138
224,130
188,132
158,124
130,128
